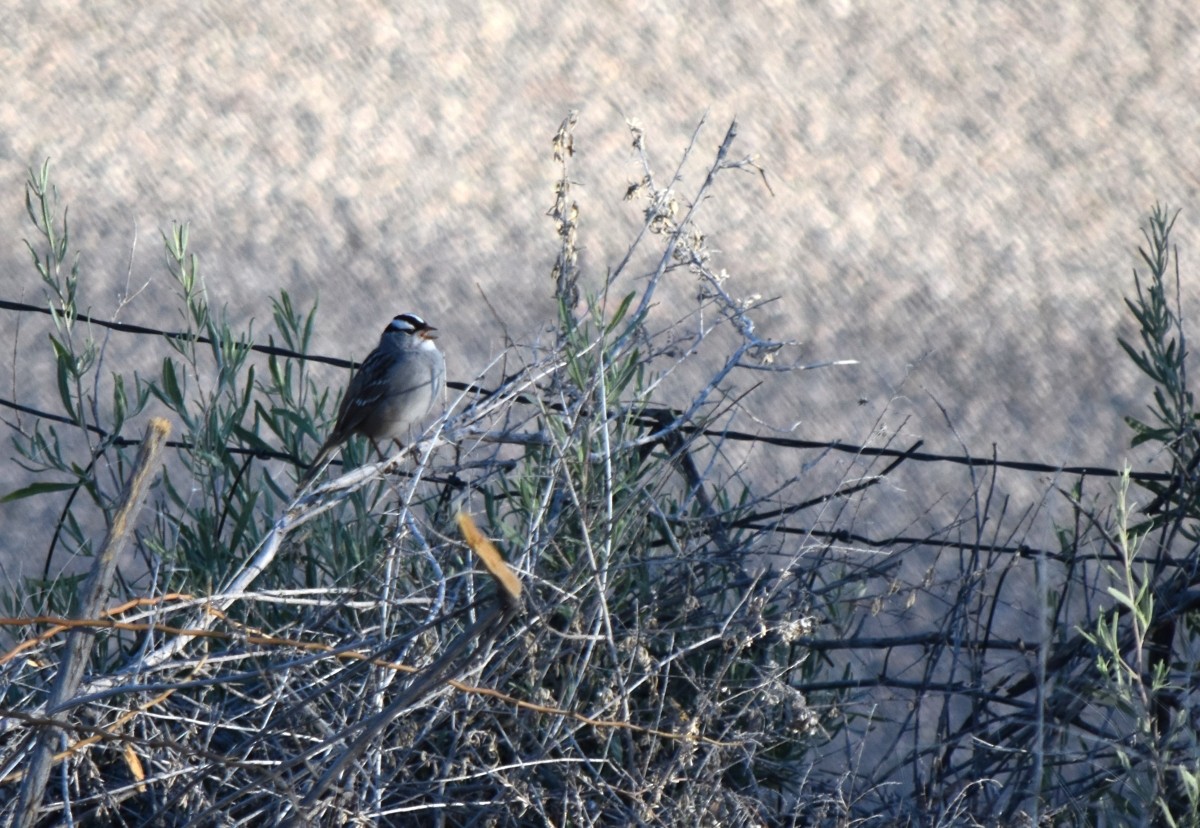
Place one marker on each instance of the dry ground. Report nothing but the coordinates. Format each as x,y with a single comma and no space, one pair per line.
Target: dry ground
957,187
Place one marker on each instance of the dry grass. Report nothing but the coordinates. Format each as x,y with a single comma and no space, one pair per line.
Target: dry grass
658,635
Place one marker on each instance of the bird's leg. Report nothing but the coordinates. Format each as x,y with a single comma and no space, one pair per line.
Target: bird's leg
399,446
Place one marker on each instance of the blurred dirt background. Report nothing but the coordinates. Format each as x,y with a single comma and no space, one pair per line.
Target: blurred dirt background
958,187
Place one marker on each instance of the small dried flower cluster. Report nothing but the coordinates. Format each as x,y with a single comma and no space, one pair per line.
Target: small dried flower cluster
565,214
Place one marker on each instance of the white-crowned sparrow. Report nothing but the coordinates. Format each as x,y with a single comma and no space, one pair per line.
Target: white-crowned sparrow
392,390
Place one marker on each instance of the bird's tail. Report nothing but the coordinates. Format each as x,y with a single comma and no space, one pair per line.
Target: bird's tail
324,455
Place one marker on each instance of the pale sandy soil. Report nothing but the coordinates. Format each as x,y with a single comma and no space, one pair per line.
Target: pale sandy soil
957,187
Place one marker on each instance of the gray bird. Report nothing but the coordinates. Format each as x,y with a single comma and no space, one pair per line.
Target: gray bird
392,391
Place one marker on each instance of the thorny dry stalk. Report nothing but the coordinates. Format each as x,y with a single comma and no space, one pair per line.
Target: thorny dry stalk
306,508
664,696
649,623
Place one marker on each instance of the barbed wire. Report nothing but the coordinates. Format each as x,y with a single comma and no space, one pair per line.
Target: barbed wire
125,327
650,417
